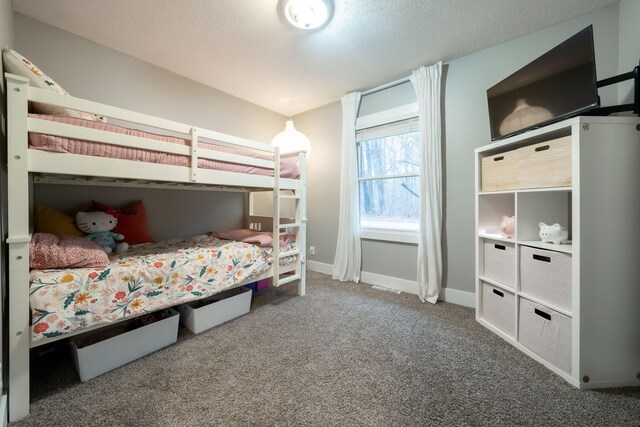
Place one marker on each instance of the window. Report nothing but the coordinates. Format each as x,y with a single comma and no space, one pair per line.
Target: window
388,170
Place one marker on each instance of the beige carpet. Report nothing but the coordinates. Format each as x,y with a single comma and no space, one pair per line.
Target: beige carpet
344,355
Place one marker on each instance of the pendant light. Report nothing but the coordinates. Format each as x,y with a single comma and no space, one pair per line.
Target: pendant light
290,140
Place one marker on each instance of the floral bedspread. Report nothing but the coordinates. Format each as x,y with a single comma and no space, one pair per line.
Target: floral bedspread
147,278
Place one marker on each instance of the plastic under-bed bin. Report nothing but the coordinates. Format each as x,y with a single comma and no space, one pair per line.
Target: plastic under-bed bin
259,285
94,356
198,316
263,284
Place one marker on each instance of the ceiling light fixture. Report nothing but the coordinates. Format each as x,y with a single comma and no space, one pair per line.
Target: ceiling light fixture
306,14
291,140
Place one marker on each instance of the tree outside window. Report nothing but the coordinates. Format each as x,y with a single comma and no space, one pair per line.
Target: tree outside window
388,165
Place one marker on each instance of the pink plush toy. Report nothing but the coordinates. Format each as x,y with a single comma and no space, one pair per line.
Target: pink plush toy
508,226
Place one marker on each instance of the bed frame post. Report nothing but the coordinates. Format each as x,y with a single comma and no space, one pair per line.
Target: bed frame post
275,265
301,218
194,154
18,240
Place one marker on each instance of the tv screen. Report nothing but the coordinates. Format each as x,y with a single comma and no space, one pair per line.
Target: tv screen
559,84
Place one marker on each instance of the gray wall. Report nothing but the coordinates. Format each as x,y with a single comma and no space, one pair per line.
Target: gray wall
392,97
629,45
88,70
467,123
466,128
323,127
170,213
6,39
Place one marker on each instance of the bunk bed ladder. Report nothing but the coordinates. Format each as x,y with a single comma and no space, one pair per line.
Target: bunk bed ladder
300,226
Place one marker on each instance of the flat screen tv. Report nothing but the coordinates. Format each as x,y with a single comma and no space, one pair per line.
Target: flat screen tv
559,84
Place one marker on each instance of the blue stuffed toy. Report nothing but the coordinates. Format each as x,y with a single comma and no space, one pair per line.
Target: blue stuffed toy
98,225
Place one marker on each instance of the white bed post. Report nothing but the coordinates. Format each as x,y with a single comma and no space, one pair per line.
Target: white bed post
18,240
276,217
194,154
301,218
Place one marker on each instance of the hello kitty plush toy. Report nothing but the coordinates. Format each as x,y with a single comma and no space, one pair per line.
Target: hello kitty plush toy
97,225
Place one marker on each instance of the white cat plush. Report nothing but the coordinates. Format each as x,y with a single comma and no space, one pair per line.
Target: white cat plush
553,233
98,225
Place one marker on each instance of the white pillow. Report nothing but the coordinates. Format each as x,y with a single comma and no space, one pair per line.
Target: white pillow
15,63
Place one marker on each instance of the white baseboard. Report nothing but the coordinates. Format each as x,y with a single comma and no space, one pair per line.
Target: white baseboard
454,296
402,285
320,267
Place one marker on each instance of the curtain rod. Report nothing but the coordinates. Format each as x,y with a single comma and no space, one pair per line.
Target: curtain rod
386,86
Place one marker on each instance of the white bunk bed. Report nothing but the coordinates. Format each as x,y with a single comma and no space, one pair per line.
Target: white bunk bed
26,165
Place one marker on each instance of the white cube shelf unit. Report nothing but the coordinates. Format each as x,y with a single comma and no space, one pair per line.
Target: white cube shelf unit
574,307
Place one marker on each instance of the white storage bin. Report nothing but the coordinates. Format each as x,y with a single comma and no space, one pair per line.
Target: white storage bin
546,275
103,356
499,308
201,315
500,262
547,333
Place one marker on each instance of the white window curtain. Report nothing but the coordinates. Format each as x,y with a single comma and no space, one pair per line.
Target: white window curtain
346,265
426,81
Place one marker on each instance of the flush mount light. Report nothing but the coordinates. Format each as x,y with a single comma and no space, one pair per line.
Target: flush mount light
306,14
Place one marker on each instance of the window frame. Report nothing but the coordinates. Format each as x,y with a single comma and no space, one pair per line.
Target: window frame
379,231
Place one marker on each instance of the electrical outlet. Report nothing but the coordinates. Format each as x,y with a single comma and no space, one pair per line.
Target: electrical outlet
312,250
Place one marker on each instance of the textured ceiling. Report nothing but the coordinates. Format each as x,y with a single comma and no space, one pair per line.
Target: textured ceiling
241,46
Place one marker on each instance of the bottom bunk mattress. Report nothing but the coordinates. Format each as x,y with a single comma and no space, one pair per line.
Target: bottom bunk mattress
147,278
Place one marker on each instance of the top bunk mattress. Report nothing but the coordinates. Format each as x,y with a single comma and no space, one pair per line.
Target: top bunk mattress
58,144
